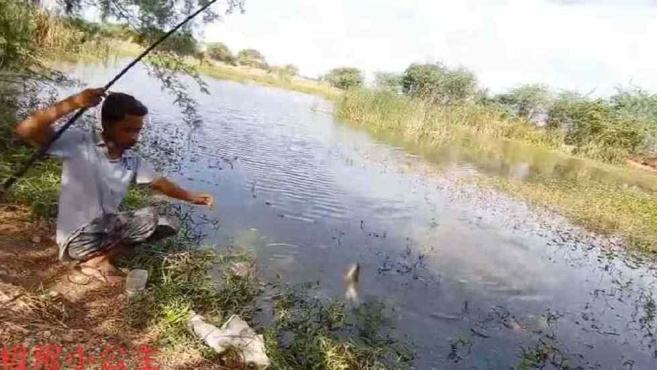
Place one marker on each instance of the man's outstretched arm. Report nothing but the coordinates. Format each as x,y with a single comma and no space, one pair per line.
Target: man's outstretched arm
172,190
37,128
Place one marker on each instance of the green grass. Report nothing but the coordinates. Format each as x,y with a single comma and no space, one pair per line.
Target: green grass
179,281
325,335
39,188
261,77
606,208
308,333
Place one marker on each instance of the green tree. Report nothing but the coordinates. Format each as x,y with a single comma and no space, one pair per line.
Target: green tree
345,77
634,102
149,19
181,43
560,114
387,81
252,58
144,14
285,72
291,70
438,83
220,51
527,100
595,130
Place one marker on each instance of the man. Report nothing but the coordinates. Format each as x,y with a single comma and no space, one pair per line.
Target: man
97,170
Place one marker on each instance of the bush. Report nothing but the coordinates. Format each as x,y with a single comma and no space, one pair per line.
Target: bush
344,77
527,100
285,72
181,43
252,58
439,84
596,130
220,52
639,105
291,70
635,103
385,81
17,35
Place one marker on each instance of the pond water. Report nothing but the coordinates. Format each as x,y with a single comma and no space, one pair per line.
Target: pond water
473,278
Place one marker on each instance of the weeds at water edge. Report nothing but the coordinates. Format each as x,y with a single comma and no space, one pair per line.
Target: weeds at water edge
600,207
309,333
179,282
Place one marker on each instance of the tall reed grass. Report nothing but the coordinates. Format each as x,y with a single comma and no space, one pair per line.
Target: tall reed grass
420,120
58,37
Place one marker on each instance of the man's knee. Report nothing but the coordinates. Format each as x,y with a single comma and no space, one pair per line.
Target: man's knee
147,225
82,252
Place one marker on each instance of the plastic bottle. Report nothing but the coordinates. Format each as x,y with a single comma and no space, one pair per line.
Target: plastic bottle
136,281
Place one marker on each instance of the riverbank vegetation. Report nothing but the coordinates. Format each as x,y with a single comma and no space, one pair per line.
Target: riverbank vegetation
431,101
436,106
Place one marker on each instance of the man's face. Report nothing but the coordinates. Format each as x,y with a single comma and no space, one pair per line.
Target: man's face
125,133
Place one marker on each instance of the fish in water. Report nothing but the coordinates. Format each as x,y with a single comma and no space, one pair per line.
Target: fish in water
351,283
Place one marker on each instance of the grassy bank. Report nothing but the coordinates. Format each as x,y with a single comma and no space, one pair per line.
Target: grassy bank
302,333
600,207
262,77
603,197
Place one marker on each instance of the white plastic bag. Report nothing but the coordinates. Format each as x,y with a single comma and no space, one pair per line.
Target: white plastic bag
236,334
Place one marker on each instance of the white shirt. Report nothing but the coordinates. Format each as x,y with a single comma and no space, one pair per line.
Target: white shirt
92,183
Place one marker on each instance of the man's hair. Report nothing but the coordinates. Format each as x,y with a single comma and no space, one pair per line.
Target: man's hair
117,105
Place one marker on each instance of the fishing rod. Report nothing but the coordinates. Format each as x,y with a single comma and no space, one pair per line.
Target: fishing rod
44,149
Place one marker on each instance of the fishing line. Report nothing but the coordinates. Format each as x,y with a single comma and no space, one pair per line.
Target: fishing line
44,149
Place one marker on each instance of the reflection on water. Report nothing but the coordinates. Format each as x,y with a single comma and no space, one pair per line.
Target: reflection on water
525,162
475,279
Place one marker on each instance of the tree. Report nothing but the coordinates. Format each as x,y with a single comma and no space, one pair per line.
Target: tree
220,51
144,14
388,81
181,43
438,83
596,130
251,58
291,70
345,77
149,19
634,102
527,100
640,106
561,110
285,72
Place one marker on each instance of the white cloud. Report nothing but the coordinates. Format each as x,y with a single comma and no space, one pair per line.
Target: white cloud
582,45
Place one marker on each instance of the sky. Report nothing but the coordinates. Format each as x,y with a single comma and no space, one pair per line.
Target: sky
592,46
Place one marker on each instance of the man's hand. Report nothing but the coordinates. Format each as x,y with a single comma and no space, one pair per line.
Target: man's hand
88,98
172,190
203,199
37,128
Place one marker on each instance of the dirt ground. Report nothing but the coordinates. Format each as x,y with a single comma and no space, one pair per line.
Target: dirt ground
61,318
648,164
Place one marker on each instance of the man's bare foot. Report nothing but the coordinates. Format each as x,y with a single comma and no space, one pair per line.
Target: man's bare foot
105,276
100,268
114,255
